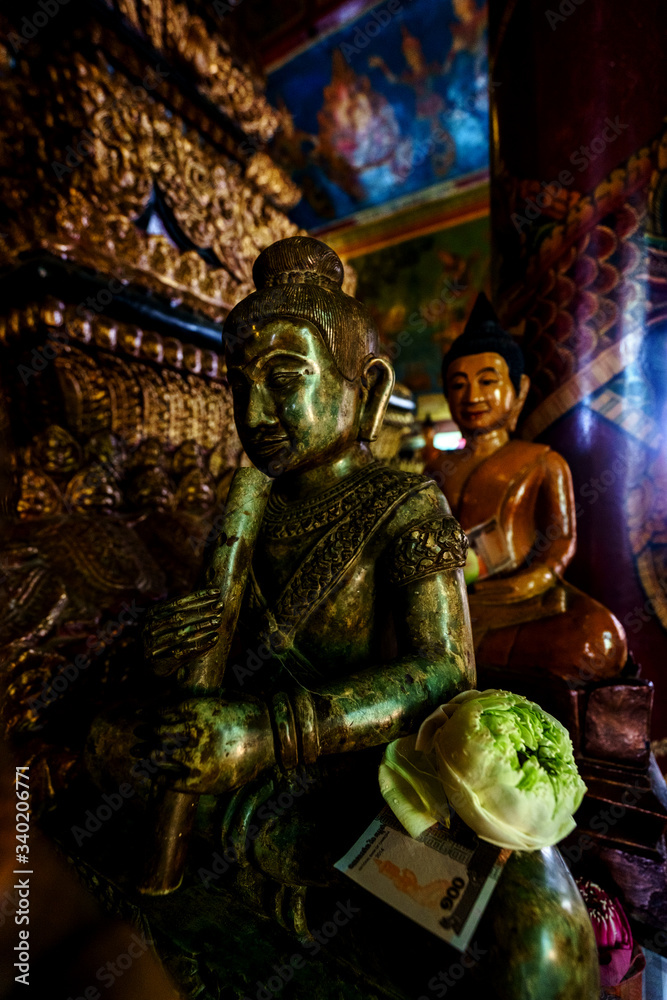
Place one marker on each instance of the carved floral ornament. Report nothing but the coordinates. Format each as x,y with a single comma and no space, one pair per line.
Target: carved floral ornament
581,302
103,476
213,57
98,146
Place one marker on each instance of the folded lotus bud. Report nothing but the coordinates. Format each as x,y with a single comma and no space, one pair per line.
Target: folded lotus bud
500,761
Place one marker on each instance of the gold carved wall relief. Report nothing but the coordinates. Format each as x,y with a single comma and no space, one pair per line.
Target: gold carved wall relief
135,193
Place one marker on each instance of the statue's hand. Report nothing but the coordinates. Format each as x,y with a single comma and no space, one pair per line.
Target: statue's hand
209,745
112,754
178,629
518,587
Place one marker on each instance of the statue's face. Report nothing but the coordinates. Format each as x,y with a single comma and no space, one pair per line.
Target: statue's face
57,451
93,489
480,392
293,409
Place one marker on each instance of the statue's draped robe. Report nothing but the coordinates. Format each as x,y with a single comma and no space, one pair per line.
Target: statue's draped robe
320,609
527,489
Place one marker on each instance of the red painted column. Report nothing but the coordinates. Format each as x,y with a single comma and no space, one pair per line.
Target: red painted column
579,218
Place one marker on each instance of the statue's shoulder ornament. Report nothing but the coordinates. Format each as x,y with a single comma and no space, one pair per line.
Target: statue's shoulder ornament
427,539
427,547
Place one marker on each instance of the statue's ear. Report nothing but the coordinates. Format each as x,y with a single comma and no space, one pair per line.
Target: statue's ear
517,406
377,379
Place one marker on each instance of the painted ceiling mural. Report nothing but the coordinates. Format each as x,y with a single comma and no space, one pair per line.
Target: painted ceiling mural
392,104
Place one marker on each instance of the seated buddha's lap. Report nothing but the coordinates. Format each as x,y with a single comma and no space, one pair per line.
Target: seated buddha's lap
585,643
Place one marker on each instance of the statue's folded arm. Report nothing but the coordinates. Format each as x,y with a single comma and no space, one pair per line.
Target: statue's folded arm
386,701
423,565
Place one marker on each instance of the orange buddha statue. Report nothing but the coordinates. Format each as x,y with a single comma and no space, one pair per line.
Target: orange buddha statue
515,501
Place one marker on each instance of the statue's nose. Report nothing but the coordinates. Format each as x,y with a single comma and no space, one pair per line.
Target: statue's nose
474,393
260,410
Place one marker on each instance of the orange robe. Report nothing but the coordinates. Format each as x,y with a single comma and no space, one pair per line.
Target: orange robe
534,620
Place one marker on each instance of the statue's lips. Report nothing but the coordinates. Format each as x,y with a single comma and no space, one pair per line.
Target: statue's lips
476,411
264,446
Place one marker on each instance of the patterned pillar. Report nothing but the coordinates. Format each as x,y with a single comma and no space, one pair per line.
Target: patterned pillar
579,162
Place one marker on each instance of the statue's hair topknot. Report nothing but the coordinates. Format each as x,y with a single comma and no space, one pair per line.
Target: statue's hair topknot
299,260
300,278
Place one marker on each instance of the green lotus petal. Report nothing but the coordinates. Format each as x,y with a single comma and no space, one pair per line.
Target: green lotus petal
471,568
499,828
411,787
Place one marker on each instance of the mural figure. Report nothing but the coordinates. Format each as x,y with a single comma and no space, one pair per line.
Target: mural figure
360,130
359,134
468,33
419,293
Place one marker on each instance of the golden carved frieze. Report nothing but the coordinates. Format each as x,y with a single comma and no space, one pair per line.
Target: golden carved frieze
113,506
211,55
98,145
119,440
117,378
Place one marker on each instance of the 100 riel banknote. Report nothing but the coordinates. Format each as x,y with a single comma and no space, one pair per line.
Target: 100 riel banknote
442,880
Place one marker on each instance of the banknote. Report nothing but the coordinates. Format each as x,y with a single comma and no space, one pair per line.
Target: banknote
443,880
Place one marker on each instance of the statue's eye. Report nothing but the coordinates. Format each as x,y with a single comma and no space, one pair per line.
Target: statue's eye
279,380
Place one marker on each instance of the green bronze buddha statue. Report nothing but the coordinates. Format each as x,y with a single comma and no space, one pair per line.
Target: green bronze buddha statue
355,622
353,627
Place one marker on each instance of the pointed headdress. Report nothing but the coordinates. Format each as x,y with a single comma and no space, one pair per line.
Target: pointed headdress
483,333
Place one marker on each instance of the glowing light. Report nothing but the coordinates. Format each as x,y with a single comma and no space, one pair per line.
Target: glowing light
447,440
